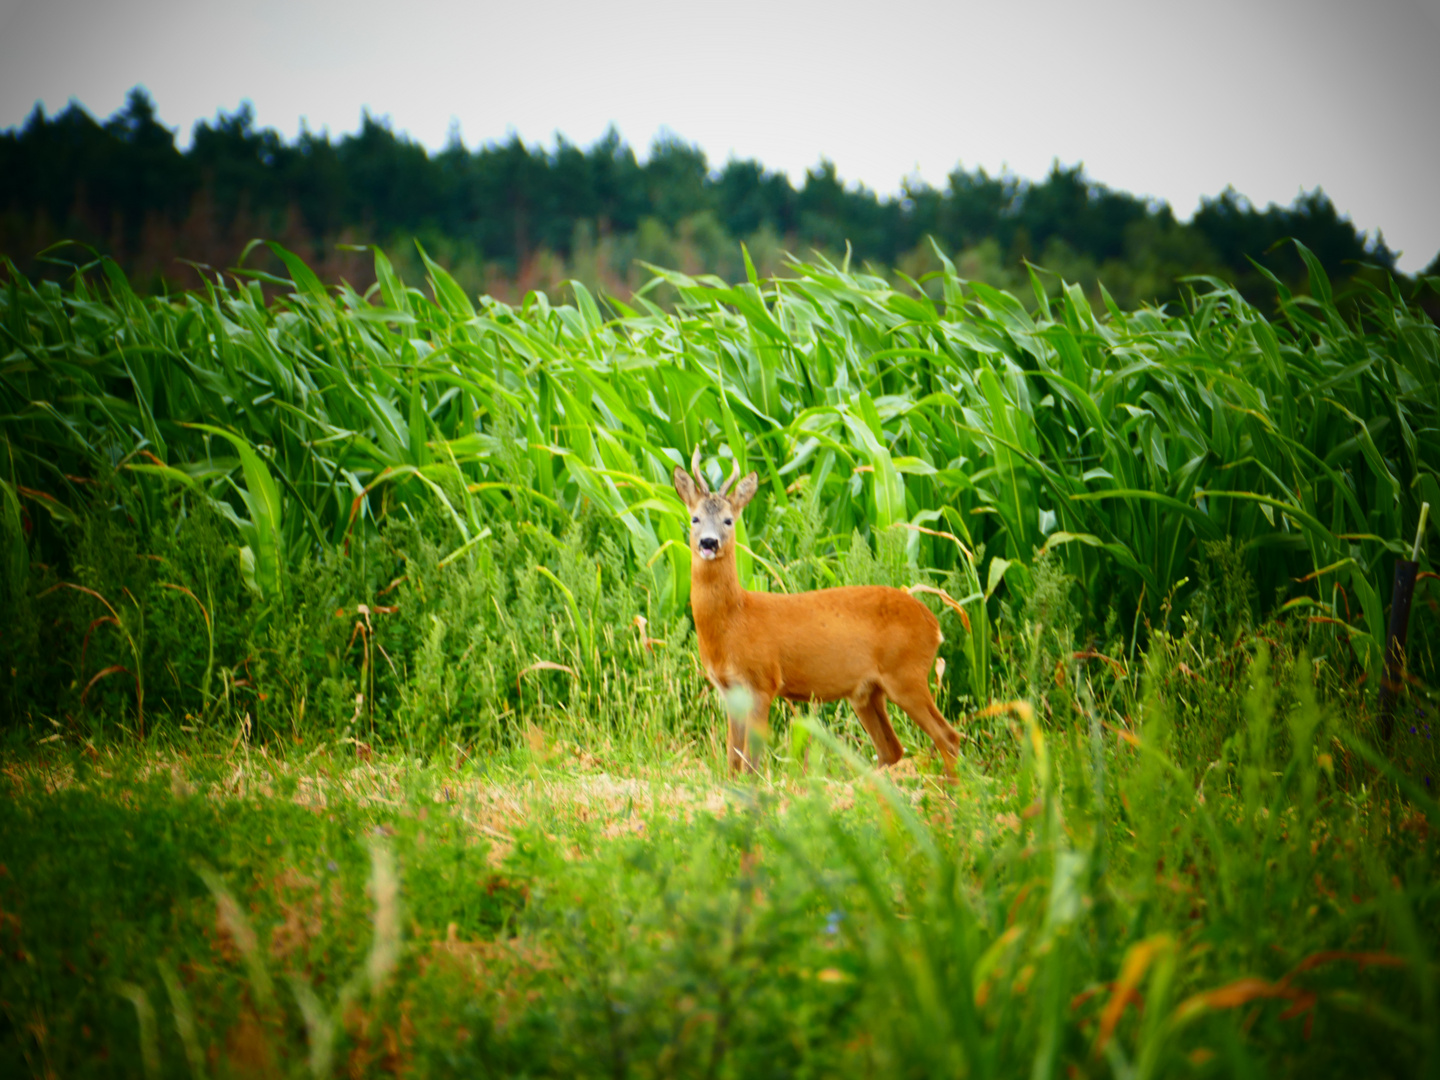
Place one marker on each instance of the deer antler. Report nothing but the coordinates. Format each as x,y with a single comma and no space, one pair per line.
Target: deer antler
734,475
695,471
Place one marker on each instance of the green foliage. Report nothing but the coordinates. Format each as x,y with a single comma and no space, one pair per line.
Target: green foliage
403,514
299,535
1225,599
525,913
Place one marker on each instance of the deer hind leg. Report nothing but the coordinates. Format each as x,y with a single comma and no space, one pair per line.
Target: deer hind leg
869,705
914,697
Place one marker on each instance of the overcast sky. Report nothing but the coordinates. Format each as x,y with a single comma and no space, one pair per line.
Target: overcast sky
1172,101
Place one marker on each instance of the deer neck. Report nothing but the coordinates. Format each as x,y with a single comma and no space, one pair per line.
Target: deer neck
715,592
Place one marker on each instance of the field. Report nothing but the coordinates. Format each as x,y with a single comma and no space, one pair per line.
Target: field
353,720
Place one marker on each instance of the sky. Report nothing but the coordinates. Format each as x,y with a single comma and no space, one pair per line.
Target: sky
1166,100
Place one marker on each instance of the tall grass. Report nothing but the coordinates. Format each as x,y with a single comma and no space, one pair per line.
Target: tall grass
945,430
297,531
1088,911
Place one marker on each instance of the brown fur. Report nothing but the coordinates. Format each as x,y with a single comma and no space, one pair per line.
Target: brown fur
865,644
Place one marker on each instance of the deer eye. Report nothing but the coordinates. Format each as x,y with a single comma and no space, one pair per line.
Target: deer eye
694,521
729,521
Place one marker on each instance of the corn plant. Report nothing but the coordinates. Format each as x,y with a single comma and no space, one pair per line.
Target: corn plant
988,432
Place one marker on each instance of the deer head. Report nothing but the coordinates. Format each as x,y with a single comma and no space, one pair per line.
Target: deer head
712,515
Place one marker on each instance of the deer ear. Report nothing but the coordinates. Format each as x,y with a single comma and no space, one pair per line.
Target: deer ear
684,487
744,492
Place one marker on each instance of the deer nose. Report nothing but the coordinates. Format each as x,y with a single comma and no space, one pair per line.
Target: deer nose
709,543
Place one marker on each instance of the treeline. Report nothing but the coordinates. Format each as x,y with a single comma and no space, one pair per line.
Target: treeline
505,217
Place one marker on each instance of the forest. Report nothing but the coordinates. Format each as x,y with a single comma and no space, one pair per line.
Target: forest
506,217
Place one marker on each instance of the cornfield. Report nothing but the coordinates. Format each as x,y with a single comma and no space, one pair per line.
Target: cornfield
986,432
401,584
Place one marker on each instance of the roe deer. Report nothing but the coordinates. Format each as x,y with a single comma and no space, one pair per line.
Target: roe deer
863,643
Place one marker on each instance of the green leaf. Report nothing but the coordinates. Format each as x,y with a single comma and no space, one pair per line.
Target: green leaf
887,486
1121,553
392,289
1016,493
419,452
303,277
448,294
589,310
1319,280
996,574
265,511
14,553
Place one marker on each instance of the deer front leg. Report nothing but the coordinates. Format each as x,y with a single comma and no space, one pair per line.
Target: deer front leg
748,711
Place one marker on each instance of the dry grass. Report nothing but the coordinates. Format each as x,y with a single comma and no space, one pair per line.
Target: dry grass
568,791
